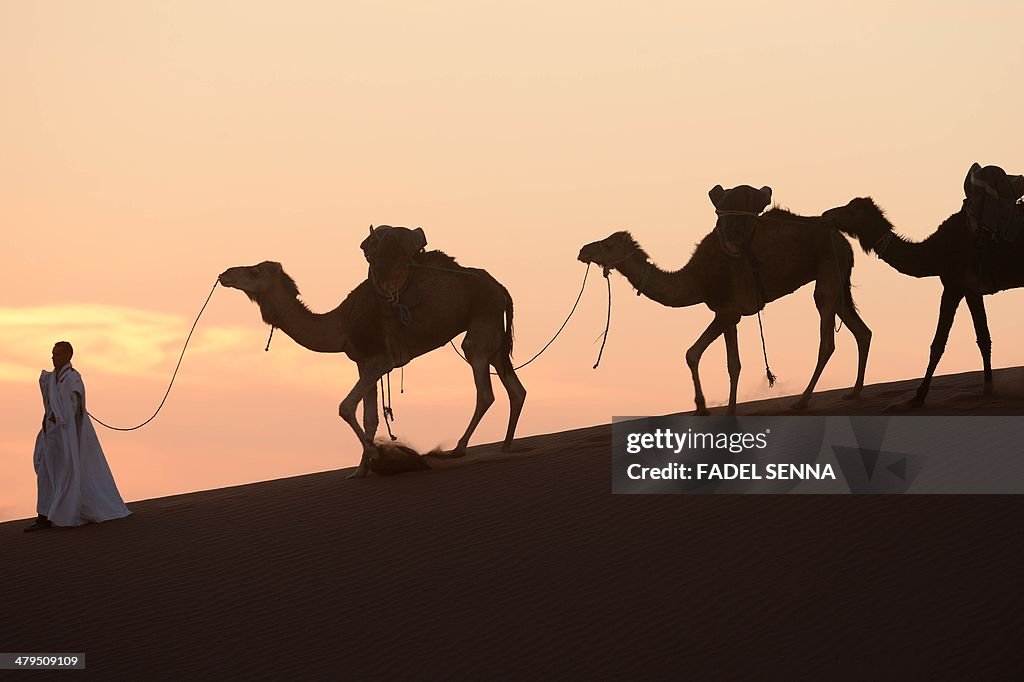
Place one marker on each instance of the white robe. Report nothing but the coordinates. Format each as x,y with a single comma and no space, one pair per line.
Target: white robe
75,485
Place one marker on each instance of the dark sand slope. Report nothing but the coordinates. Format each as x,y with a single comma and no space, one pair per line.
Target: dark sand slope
527,566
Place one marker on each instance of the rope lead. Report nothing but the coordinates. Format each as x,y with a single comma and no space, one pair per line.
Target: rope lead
608,321
168,392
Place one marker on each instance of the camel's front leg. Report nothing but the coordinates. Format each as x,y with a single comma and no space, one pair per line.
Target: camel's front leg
368,377
947,311
976,304
693,355
732,353
371,419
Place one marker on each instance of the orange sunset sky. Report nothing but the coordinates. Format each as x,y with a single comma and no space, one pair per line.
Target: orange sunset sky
147,146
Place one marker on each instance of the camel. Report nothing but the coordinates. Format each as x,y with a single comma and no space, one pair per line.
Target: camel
952,254
449,299
785,251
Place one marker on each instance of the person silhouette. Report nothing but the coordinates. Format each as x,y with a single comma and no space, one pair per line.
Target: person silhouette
74,483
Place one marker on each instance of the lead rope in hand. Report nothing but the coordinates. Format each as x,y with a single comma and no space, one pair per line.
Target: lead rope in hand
168,392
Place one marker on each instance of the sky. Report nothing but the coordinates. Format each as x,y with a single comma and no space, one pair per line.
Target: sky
147,146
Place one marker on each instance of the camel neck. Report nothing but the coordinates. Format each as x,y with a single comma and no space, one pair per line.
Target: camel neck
319,332
677,289
929,258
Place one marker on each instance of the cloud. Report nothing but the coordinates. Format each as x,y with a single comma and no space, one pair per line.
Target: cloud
117,340
142,344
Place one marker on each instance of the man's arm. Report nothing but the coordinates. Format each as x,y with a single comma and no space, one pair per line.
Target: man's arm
76,407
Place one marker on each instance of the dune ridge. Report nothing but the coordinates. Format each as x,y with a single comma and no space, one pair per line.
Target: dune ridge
524,564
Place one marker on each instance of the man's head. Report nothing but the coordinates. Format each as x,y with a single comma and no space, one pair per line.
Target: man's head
62,352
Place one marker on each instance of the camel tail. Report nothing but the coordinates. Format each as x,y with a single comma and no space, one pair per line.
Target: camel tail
508,317
509,336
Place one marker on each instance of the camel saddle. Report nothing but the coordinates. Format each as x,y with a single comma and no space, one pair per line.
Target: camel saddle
737,211
993,203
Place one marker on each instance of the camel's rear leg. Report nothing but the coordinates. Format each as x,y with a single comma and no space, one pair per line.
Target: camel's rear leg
516,396
477,357
947,311
861,332
693,355
976,303
826,346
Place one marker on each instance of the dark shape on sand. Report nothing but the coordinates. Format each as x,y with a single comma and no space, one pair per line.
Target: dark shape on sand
395,458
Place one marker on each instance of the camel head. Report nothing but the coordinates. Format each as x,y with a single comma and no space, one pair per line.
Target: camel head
610,250
256,281
741,198
861,218
388,245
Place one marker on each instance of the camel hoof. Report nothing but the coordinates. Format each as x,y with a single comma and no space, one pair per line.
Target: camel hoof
702,412
855,393
447,454
800,404
360,472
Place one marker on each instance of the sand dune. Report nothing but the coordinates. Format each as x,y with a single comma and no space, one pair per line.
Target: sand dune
525,565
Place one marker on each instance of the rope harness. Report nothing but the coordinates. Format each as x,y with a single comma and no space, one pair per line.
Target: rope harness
583,286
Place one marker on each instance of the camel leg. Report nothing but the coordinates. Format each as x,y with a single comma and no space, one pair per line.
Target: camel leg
947,311
371,419
516,396
693,355
862,334
732,350
368,378
484,392
976,303
826,346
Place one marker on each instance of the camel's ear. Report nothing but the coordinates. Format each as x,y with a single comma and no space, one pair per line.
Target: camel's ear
419,239
371,230
766,192
716,194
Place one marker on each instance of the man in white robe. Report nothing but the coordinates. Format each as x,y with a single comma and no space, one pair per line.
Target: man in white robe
75,485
